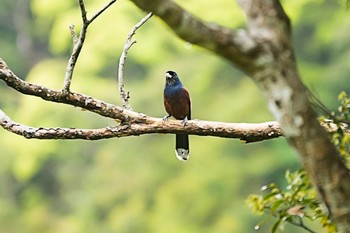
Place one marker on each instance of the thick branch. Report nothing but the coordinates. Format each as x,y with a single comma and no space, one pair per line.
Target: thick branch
74,99
245,132
280,82
132,123
234,45
264,51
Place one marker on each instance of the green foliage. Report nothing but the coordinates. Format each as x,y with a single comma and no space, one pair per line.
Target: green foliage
136,184
340,135
297,203
299,200
347,4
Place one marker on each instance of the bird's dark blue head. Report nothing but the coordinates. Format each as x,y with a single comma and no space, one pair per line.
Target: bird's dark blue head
172,79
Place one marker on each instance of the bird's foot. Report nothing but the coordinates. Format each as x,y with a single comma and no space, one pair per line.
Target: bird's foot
184,121
166,117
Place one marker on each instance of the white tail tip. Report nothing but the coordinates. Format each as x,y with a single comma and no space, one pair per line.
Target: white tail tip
182,154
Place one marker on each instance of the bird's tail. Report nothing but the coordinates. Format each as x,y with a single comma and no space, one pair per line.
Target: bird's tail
182,146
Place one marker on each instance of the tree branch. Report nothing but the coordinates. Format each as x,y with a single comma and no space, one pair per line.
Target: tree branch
132,123
264,51
74,99
124,95
234,45
78,43
245,132
100,11
279,80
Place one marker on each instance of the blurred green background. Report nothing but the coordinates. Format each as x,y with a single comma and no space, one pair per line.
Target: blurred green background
136,184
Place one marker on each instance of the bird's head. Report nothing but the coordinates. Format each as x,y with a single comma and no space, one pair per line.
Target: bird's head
171,78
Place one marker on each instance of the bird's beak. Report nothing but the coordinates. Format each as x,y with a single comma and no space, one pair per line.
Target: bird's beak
168,76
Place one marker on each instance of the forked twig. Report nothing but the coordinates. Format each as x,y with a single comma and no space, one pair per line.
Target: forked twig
124,95
78,43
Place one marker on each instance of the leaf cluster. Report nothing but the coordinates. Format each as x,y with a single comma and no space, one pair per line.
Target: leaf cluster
340,121
298,201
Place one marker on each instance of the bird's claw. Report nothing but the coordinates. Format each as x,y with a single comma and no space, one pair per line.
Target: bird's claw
184,121
166,117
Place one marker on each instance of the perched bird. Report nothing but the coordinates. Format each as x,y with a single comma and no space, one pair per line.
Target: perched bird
177,103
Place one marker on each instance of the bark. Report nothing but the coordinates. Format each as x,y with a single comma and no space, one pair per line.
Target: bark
235,45
263,50
279,80
131,123
243,131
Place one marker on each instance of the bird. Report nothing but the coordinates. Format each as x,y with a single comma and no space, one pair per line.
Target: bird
177,103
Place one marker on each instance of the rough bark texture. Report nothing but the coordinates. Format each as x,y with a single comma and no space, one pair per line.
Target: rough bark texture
263,50
131,123
243,131
279,80
235,45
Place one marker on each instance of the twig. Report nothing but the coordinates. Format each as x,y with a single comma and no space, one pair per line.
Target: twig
124,95
78,43
302,225
74,35
83,12
101,11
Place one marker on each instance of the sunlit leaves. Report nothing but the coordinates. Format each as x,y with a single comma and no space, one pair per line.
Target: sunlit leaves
298,201
341,119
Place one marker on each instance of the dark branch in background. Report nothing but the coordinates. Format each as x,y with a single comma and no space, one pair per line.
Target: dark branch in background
301,224
78,43
124,95
236,46
99,12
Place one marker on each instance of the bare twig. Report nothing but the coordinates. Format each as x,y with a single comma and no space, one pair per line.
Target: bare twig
83,12
101,11
302,225
74,35
78,43
124,95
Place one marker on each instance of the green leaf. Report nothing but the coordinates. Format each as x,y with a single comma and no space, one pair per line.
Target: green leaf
276,204
342,95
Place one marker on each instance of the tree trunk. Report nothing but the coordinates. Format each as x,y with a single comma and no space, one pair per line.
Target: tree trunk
263,50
